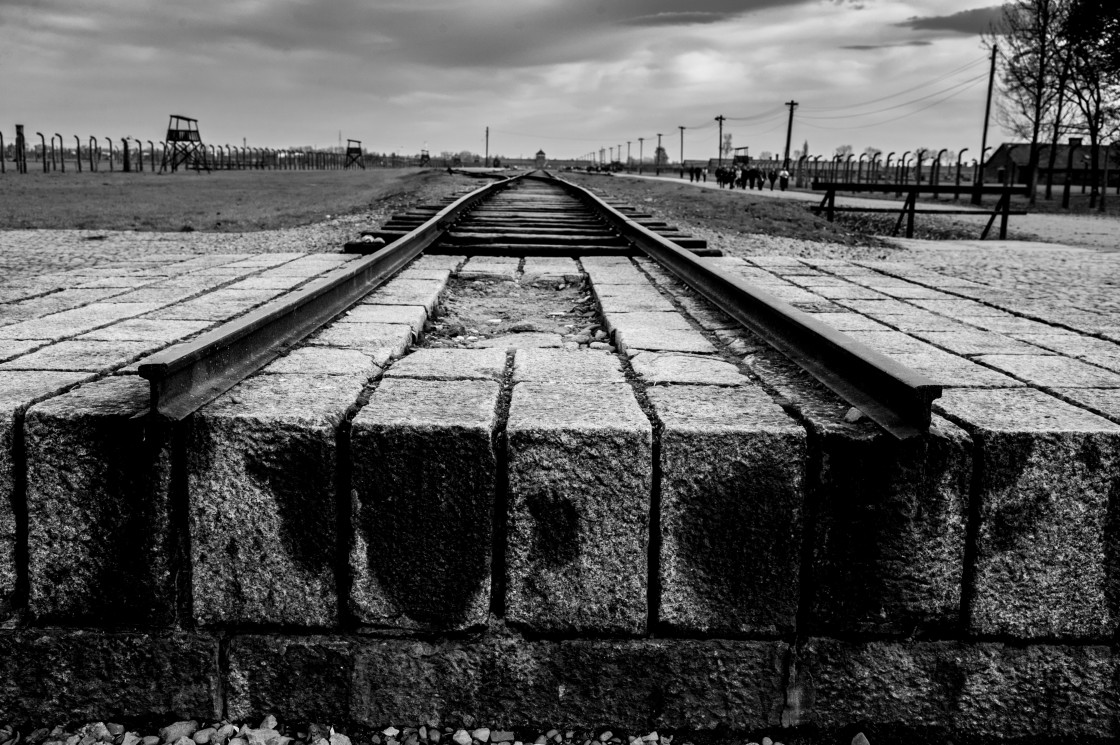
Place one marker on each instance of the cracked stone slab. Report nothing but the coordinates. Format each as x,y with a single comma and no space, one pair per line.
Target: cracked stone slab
316,360
661,368
367,337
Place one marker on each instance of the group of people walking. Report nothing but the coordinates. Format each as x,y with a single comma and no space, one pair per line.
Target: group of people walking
751,177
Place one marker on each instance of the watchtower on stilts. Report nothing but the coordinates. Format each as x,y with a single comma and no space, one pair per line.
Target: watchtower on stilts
184,145
354,154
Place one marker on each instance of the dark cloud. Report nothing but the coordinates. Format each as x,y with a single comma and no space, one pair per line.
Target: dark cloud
685,18
869,47
675,12
975,21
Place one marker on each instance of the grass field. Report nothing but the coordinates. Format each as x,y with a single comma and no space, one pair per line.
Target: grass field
222,201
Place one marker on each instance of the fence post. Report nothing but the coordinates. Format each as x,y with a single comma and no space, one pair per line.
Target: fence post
127,166
21,150
3,154
78,152
1005,213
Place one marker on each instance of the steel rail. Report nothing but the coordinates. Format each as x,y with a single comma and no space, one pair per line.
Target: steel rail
892,395
188,376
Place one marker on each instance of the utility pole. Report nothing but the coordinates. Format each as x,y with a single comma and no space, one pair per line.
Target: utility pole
657,157
720,119
640,141
681,128
487,161
789,133
628,155
979,175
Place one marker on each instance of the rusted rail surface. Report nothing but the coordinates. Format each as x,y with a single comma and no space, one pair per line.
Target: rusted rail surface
187,376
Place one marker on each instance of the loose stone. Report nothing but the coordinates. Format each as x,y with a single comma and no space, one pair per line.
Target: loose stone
462,737
172,732
482,734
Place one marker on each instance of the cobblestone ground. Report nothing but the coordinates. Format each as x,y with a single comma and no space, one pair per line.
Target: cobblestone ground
1043,280
28,253
1070,285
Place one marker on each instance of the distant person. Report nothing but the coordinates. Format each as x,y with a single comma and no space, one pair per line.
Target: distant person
704,174
783,179
772,177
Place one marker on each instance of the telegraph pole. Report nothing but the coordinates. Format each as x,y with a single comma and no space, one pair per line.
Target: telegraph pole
720,119
657,156
487,161
628,155
640,141
682,149
979,175
789,133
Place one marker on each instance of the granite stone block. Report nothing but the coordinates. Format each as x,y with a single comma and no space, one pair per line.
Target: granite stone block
580,475
92,675
18,390
732,501
932,692
424,481
566,366
262,462
1049,494
101,540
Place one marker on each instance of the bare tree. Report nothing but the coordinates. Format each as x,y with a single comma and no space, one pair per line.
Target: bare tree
1091,29
844,150
1032,71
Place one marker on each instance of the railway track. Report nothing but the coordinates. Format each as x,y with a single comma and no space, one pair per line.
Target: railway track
536,215
414,503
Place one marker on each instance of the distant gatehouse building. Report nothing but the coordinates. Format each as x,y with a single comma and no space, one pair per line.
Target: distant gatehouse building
540,159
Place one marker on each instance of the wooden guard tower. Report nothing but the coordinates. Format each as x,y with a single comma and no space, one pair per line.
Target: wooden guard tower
354,154
184,145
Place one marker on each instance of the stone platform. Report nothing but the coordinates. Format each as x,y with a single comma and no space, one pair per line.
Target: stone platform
684,533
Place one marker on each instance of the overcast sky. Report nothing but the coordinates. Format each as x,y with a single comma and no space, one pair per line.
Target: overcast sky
566,76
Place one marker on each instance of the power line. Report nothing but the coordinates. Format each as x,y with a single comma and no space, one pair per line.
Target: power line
911,89
964,84
902,116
